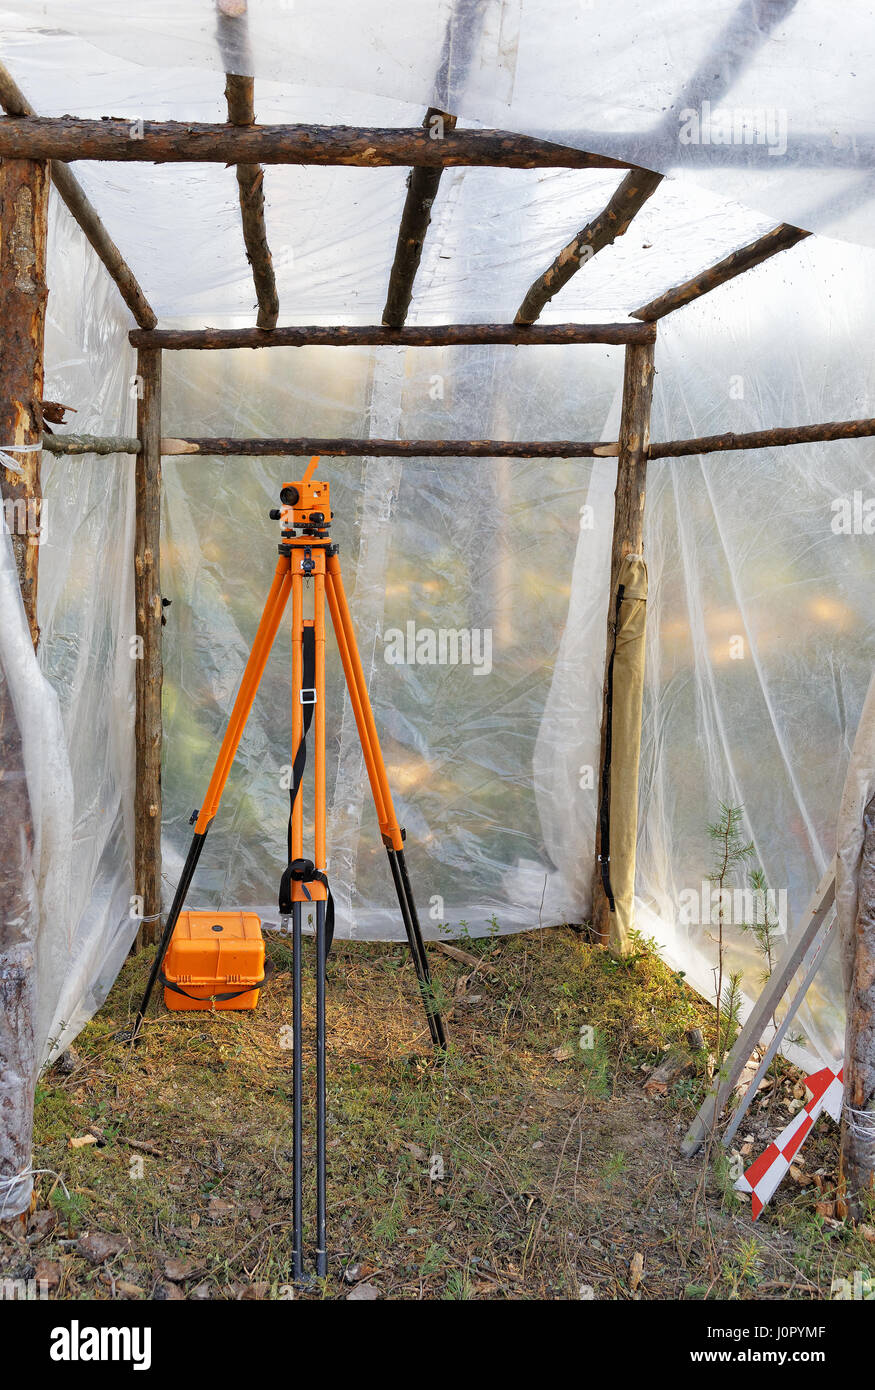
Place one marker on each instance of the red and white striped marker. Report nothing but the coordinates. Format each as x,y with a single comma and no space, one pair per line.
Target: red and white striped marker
765,1173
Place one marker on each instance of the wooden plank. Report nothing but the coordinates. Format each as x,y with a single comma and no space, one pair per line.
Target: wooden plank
745,258
389,448
24,201
773,992
15,103
149,669
627,539
857,1169
765,439
196,142
602,231
811,963
445,335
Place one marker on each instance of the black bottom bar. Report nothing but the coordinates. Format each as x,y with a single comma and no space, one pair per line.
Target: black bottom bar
398,865
188,869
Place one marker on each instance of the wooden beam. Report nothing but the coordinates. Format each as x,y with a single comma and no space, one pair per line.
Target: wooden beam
15,103
233,35
628,539
149,669
445,335
857,1168
422,187
614,221
24,201
240,95
74,444
193,142
765,439
778,239
388,448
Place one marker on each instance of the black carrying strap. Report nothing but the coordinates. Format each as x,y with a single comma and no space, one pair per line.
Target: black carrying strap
304,870
214,998
605,800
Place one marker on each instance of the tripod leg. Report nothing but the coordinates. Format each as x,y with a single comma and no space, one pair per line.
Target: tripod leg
297,1103
392,836
264,638
321,1246
410,919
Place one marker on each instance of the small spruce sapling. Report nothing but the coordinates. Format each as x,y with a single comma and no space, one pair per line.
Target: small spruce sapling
731,851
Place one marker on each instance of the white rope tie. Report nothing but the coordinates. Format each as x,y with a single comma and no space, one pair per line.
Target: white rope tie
861,1123
9,1187
7,450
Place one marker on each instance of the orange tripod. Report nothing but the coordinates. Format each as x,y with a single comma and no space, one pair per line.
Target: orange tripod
308,559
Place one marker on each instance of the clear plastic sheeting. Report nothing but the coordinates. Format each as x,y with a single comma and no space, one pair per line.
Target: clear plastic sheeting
764,101
77,718
760,629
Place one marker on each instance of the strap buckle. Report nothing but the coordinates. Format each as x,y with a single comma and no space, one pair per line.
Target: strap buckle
310,692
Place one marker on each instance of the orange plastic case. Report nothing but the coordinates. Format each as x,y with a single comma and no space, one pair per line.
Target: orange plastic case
214,953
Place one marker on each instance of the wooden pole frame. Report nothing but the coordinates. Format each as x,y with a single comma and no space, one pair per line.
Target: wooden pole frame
149,668
25,137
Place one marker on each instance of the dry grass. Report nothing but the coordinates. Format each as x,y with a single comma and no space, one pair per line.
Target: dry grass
521,1165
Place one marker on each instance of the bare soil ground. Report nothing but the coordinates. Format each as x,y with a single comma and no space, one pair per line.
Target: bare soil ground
521,1165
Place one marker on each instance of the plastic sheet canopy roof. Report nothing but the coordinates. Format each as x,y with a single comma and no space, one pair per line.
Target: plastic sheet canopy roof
760,111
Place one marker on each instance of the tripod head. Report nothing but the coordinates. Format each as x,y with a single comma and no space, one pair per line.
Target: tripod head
306,504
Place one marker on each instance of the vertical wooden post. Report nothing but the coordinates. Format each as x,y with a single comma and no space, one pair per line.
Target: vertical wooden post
150,671
24,200
627,540
24,190
857,1171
